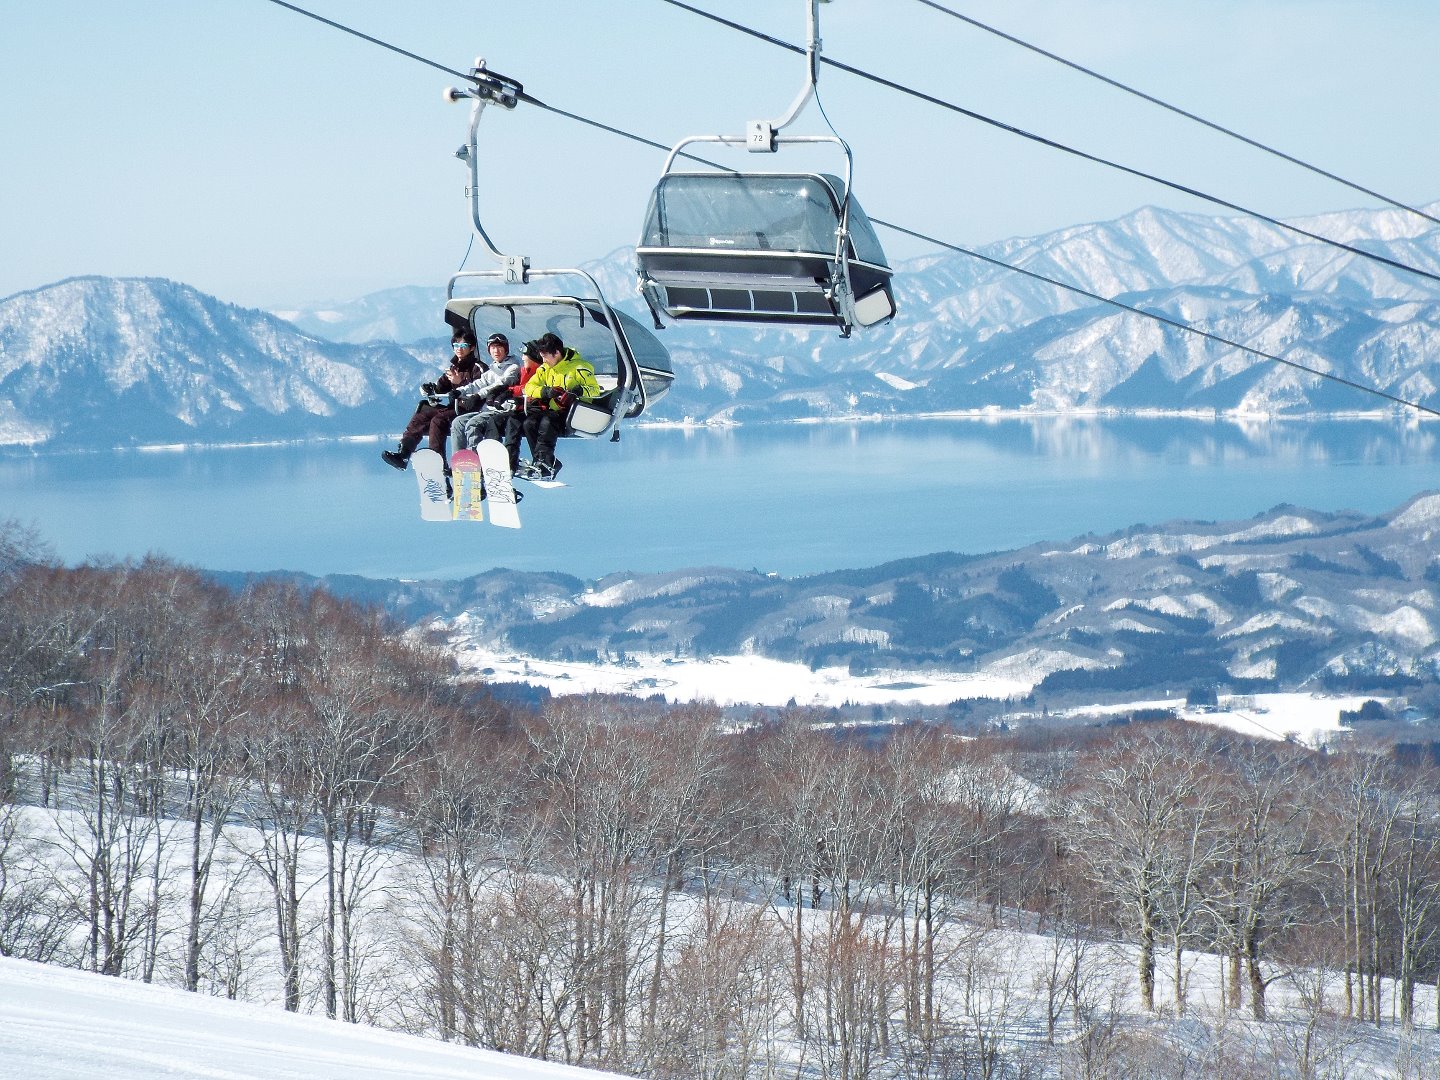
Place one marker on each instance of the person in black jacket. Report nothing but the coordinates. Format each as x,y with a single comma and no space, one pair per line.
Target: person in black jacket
434,415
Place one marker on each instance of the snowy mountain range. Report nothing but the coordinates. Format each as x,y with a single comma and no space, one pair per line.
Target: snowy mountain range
99,362
1291,599
135,360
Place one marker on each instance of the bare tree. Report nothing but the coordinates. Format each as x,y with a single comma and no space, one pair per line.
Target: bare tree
718,1007
1137,825
280,810
1317,1044
460,803
592,784
1413,881
693,816
1270,853
372,707
852,976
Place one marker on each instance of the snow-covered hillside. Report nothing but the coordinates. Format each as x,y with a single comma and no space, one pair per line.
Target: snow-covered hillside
60,1024
1292,599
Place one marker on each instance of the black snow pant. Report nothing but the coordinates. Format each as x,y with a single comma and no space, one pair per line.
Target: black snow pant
542,430
512,425
431,422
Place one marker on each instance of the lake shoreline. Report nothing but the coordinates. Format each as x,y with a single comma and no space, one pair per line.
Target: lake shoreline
792,498
987,414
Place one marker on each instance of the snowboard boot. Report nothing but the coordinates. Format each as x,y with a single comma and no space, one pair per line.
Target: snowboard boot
395,458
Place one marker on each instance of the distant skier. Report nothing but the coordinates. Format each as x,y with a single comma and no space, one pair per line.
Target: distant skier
433,416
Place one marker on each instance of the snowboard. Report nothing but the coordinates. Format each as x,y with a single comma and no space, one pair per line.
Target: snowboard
469,487
430,475
494,461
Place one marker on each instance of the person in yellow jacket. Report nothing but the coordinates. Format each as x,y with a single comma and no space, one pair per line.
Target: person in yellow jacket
564,376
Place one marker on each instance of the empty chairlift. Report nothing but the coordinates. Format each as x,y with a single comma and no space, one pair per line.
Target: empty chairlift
763,247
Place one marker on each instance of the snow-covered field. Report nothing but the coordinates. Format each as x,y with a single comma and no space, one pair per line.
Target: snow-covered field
739,680
1307,718
757,680
59,1024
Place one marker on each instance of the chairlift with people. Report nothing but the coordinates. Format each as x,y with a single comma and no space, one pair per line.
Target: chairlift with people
631,365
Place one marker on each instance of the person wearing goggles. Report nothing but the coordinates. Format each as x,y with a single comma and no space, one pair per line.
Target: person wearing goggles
436,411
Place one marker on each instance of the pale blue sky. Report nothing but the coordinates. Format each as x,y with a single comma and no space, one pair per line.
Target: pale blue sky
272,161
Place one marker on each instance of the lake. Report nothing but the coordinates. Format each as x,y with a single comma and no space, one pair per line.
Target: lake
793,499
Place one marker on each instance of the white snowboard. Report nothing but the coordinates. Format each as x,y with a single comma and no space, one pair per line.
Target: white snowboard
430,475
499,488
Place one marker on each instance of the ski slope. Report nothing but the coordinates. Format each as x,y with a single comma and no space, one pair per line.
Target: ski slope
59,1024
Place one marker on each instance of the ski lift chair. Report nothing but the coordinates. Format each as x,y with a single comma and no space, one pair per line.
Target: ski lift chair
631,366
788,248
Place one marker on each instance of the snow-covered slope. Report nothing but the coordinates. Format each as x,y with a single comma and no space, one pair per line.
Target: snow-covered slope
59,1024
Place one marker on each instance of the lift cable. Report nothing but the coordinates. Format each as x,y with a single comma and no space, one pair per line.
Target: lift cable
925,238
466,75
1042,140
1176,109
373,40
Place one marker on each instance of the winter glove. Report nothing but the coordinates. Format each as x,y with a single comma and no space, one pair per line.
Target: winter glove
561,398
546,393
429,388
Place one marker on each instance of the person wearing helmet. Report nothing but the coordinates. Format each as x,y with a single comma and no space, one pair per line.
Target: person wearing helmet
489,395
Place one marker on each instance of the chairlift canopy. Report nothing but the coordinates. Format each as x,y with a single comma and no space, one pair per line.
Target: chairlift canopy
762,247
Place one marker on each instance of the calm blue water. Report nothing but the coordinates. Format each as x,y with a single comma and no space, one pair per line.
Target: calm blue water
793,499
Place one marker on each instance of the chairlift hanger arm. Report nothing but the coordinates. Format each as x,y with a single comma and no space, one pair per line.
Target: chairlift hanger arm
488,87
760,135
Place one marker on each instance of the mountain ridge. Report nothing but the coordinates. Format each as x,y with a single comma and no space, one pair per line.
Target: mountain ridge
126,360
1289,599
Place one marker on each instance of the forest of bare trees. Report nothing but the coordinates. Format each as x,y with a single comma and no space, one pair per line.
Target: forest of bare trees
275,795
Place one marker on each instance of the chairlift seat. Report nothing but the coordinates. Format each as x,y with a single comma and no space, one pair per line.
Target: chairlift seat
762,247
590,419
